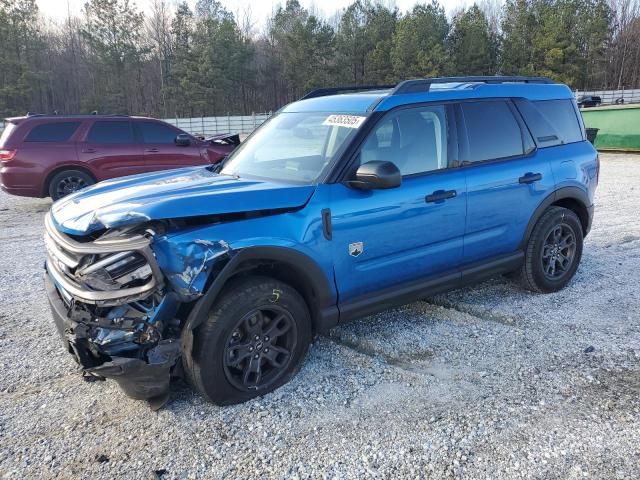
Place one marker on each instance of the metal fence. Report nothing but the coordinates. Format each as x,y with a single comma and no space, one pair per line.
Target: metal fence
206,126
613,97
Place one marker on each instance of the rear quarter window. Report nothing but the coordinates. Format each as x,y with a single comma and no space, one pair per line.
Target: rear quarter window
561,114
52,132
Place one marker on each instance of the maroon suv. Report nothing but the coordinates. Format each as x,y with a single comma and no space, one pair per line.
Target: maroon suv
45,155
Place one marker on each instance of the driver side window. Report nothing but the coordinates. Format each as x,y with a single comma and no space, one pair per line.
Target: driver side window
415,140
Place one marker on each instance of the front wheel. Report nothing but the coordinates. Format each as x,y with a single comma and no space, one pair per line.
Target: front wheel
553,251
253,341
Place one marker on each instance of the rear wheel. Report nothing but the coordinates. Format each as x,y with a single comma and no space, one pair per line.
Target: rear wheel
553,251
253,341
68,181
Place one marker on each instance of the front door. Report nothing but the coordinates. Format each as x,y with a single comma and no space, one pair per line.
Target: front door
160,149
384,238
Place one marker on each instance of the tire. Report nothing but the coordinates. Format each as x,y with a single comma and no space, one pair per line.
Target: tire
68,181
226,345
553,251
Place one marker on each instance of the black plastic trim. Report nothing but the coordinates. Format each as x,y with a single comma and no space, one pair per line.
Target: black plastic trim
327,228
574,193
326,312
401,294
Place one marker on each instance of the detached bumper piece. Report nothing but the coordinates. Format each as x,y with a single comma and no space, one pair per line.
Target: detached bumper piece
140,379
135,344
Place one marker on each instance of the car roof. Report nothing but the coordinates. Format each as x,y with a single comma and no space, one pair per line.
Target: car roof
88,116
386,99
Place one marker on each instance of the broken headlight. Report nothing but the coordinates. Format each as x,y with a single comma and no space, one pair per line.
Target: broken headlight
114,271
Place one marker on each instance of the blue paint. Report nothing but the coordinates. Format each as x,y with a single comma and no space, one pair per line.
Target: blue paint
180,193
187,263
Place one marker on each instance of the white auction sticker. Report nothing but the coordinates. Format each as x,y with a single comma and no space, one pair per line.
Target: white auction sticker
349,121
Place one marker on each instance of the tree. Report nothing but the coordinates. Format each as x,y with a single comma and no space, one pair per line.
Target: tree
518,29
159,31
623,56
182,78
113,31
473,46
419,42
21,74
380,29
301,49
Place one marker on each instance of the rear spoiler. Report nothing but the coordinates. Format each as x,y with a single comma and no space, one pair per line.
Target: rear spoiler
14,120
224,139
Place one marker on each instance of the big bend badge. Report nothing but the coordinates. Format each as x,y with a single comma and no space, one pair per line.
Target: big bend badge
355,249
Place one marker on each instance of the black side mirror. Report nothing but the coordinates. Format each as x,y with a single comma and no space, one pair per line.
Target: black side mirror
183,140
376,175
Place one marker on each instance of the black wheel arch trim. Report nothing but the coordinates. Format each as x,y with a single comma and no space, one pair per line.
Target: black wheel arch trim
571,193
324,311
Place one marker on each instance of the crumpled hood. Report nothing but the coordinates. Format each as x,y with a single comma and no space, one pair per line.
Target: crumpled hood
185,192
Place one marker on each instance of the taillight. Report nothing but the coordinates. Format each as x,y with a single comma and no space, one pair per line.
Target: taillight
6,155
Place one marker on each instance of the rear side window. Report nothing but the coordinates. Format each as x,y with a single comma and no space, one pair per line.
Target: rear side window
110,132
492,131
153,132
541,129
52,132
562,115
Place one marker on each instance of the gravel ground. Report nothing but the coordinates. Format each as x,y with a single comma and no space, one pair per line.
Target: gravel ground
484,382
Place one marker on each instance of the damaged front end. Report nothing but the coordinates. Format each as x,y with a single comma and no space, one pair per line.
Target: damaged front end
115,308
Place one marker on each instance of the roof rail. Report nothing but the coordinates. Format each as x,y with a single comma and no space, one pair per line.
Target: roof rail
323,92
424,84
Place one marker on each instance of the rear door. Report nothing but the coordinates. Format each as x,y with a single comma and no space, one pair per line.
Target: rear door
160,149
507,177
385,238
109,146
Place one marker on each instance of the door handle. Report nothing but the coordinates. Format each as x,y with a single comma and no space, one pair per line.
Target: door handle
151,150
440,195
530,177
89,150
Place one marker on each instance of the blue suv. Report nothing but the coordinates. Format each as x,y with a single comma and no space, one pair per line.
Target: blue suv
341,205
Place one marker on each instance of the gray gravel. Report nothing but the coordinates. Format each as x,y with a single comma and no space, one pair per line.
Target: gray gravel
485,382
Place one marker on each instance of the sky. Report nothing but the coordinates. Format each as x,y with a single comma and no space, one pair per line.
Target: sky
260,9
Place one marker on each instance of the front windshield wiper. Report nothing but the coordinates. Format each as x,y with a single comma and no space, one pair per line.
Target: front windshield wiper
217,167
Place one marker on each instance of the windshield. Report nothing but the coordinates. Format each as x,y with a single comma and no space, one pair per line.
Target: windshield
293,147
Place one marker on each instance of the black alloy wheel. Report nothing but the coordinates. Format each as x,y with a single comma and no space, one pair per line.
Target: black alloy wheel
67,182
558,251
69,185
259,349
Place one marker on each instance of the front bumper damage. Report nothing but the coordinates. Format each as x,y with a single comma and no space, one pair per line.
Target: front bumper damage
142,373
117,312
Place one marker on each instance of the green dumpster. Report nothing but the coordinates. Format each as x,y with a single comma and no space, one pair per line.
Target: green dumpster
618,126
